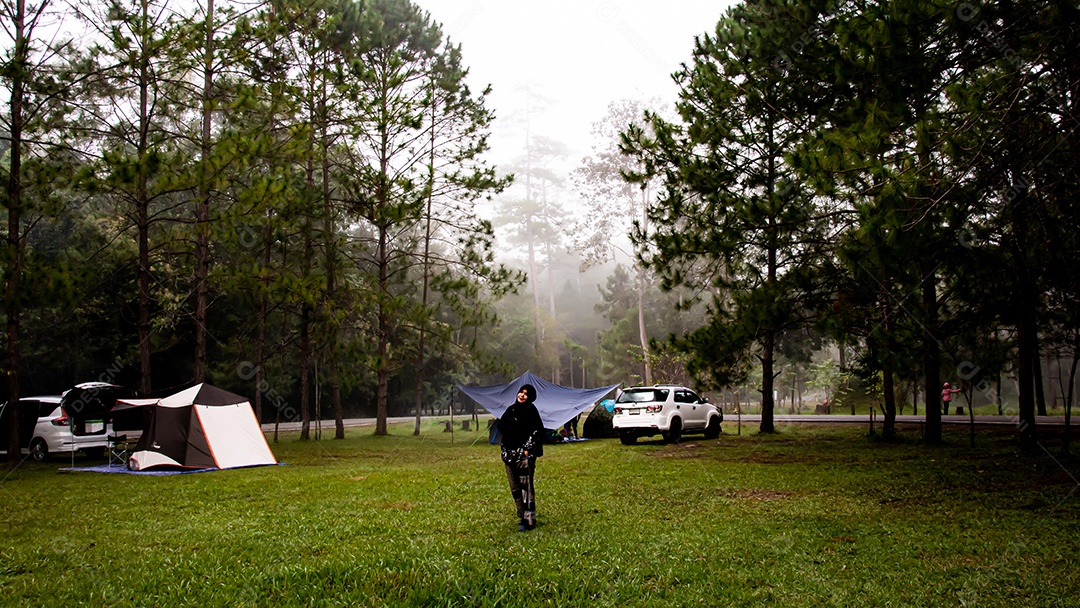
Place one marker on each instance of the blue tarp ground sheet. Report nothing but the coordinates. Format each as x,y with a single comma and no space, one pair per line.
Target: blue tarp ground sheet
557,404
119,468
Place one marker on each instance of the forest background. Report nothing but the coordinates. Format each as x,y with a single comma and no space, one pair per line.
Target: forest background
291,200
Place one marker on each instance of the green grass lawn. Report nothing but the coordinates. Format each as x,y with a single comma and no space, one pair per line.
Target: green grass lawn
809,516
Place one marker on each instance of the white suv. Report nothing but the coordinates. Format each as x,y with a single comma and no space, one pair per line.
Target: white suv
47,427
668,410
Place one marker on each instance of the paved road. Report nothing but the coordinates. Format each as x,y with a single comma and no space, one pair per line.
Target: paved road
907,419
732,419
355,422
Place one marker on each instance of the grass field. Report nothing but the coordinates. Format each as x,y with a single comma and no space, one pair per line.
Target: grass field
810,516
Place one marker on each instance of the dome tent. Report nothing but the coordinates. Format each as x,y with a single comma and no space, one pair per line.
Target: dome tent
200,427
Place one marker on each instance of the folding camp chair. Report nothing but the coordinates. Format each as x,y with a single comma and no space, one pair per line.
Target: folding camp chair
119,449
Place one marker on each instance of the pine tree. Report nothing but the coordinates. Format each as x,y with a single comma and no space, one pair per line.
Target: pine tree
33,80
731,220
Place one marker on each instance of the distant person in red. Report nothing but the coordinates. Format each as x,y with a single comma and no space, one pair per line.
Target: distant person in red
946,397
522,432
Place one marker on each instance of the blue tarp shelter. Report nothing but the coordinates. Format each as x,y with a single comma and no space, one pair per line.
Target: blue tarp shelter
557,404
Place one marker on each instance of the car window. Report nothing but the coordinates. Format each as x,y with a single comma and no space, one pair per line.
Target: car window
685,396
28,408
636,396
643,395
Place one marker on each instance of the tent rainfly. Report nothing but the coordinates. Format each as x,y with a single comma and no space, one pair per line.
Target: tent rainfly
201,427
556,403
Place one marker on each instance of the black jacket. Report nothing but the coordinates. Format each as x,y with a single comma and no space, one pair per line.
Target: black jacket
522,429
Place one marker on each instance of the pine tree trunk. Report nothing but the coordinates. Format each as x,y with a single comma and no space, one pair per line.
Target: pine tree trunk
643,333
202,223
142,213
997,395
888,429
1024,304
1065,439
538,324
305,372
557,379
426,268
330,244
264,307
1037,379
767,382
14,232
1024,298
306,311
769,346
383,367
931,357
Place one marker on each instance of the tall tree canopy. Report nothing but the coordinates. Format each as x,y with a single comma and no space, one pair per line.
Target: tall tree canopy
883,170
271,182
731,220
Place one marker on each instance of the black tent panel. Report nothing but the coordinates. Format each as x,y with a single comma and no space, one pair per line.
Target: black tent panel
212,395
198,453
168,432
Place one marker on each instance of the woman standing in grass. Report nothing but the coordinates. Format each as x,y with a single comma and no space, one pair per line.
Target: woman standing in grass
946,396
522,433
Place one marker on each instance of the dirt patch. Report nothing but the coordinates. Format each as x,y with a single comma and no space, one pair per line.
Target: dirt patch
767,457
681,450
772,453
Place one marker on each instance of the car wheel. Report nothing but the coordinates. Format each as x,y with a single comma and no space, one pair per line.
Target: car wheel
674,432
39,450
712,431
627,437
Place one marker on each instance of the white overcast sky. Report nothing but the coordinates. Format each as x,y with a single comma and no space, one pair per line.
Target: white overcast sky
581,55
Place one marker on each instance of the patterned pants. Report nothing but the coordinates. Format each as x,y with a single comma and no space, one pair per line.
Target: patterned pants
523,491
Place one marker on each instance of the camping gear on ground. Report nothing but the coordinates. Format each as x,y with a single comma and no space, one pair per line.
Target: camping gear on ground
598,423
201,427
